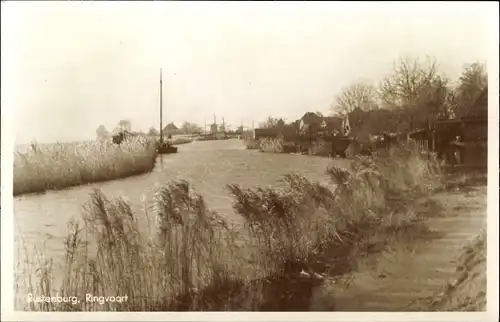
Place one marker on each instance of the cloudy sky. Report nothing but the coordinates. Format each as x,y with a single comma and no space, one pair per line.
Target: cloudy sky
68,67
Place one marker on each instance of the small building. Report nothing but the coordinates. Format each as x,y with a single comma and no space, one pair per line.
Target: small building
472,132
171,129
262,133
309,123
314,125
331,125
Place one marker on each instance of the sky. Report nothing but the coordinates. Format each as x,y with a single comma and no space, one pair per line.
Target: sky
68,67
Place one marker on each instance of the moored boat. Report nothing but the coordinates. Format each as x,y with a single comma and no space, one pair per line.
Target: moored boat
166,147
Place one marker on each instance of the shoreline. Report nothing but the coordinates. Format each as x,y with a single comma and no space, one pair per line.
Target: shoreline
364,229
421,273
30,165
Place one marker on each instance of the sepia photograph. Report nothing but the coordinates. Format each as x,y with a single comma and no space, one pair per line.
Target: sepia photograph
250,157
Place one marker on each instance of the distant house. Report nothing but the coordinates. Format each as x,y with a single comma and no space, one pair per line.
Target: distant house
331,125
170,129
309,120
373,122
261,133
314,124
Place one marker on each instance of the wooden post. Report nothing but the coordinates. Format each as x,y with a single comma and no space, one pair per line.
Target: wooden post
161,109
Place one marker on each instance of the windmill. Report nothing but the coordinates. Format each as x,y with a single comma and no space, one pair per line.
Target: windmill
213,127
224,127
241,128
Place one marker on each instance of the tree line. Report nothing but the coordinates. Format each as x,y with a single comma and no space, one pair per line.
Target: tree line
411,96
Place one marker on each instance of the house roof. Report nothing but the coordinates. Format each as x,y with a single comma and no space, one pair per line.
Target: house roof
170,127
310,117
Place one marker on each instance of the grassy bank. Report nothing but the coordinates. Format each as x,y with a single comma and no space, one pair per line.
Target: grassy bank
58,166
181,140
191,259
468,290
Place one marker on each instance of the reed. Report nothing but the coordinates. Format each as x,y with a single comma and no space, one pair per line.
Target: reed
60,165
271,145
252,144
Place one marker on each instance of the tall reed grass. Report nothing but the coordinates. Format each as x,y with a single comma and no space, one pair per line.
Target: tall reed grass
60,165
189,258
251,144
271,145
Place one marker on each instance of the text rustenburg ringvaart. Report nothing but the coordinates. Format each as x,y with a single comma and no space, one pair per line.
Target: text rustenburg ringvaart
89,298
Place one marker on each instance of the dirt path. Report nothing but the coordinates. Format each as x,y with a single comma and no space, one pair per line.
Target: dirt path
398,278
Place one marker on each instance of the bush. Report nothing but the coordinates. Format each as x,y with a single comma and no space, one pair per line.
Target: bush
61,165
252,144
271,145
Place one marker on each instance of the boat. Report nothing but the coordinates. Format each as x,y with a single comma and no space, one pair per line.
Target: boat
164,147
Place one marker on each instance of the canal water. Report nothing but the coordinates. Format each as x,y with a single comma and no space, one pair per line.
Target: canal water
41,219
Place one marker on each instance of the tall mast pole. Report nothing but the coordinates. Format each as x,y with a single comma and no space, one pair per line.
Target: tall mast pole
161,109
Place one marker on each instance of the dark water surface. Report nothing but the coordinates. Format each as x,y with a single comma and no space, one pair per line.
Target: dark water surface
209,166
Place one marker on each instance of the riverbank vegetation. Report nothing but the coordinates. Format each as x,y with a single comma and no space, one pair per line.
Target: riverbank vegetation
293,238
57,166
252,144
271,145
467,292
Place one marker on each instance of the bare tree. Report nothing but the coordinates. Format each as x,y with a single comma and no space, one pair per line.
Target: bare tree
186,127
434,100
269,123
280,123
416,92
153,132
101,132
125,125
360,95
402,88
195,128
473,84
189,128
